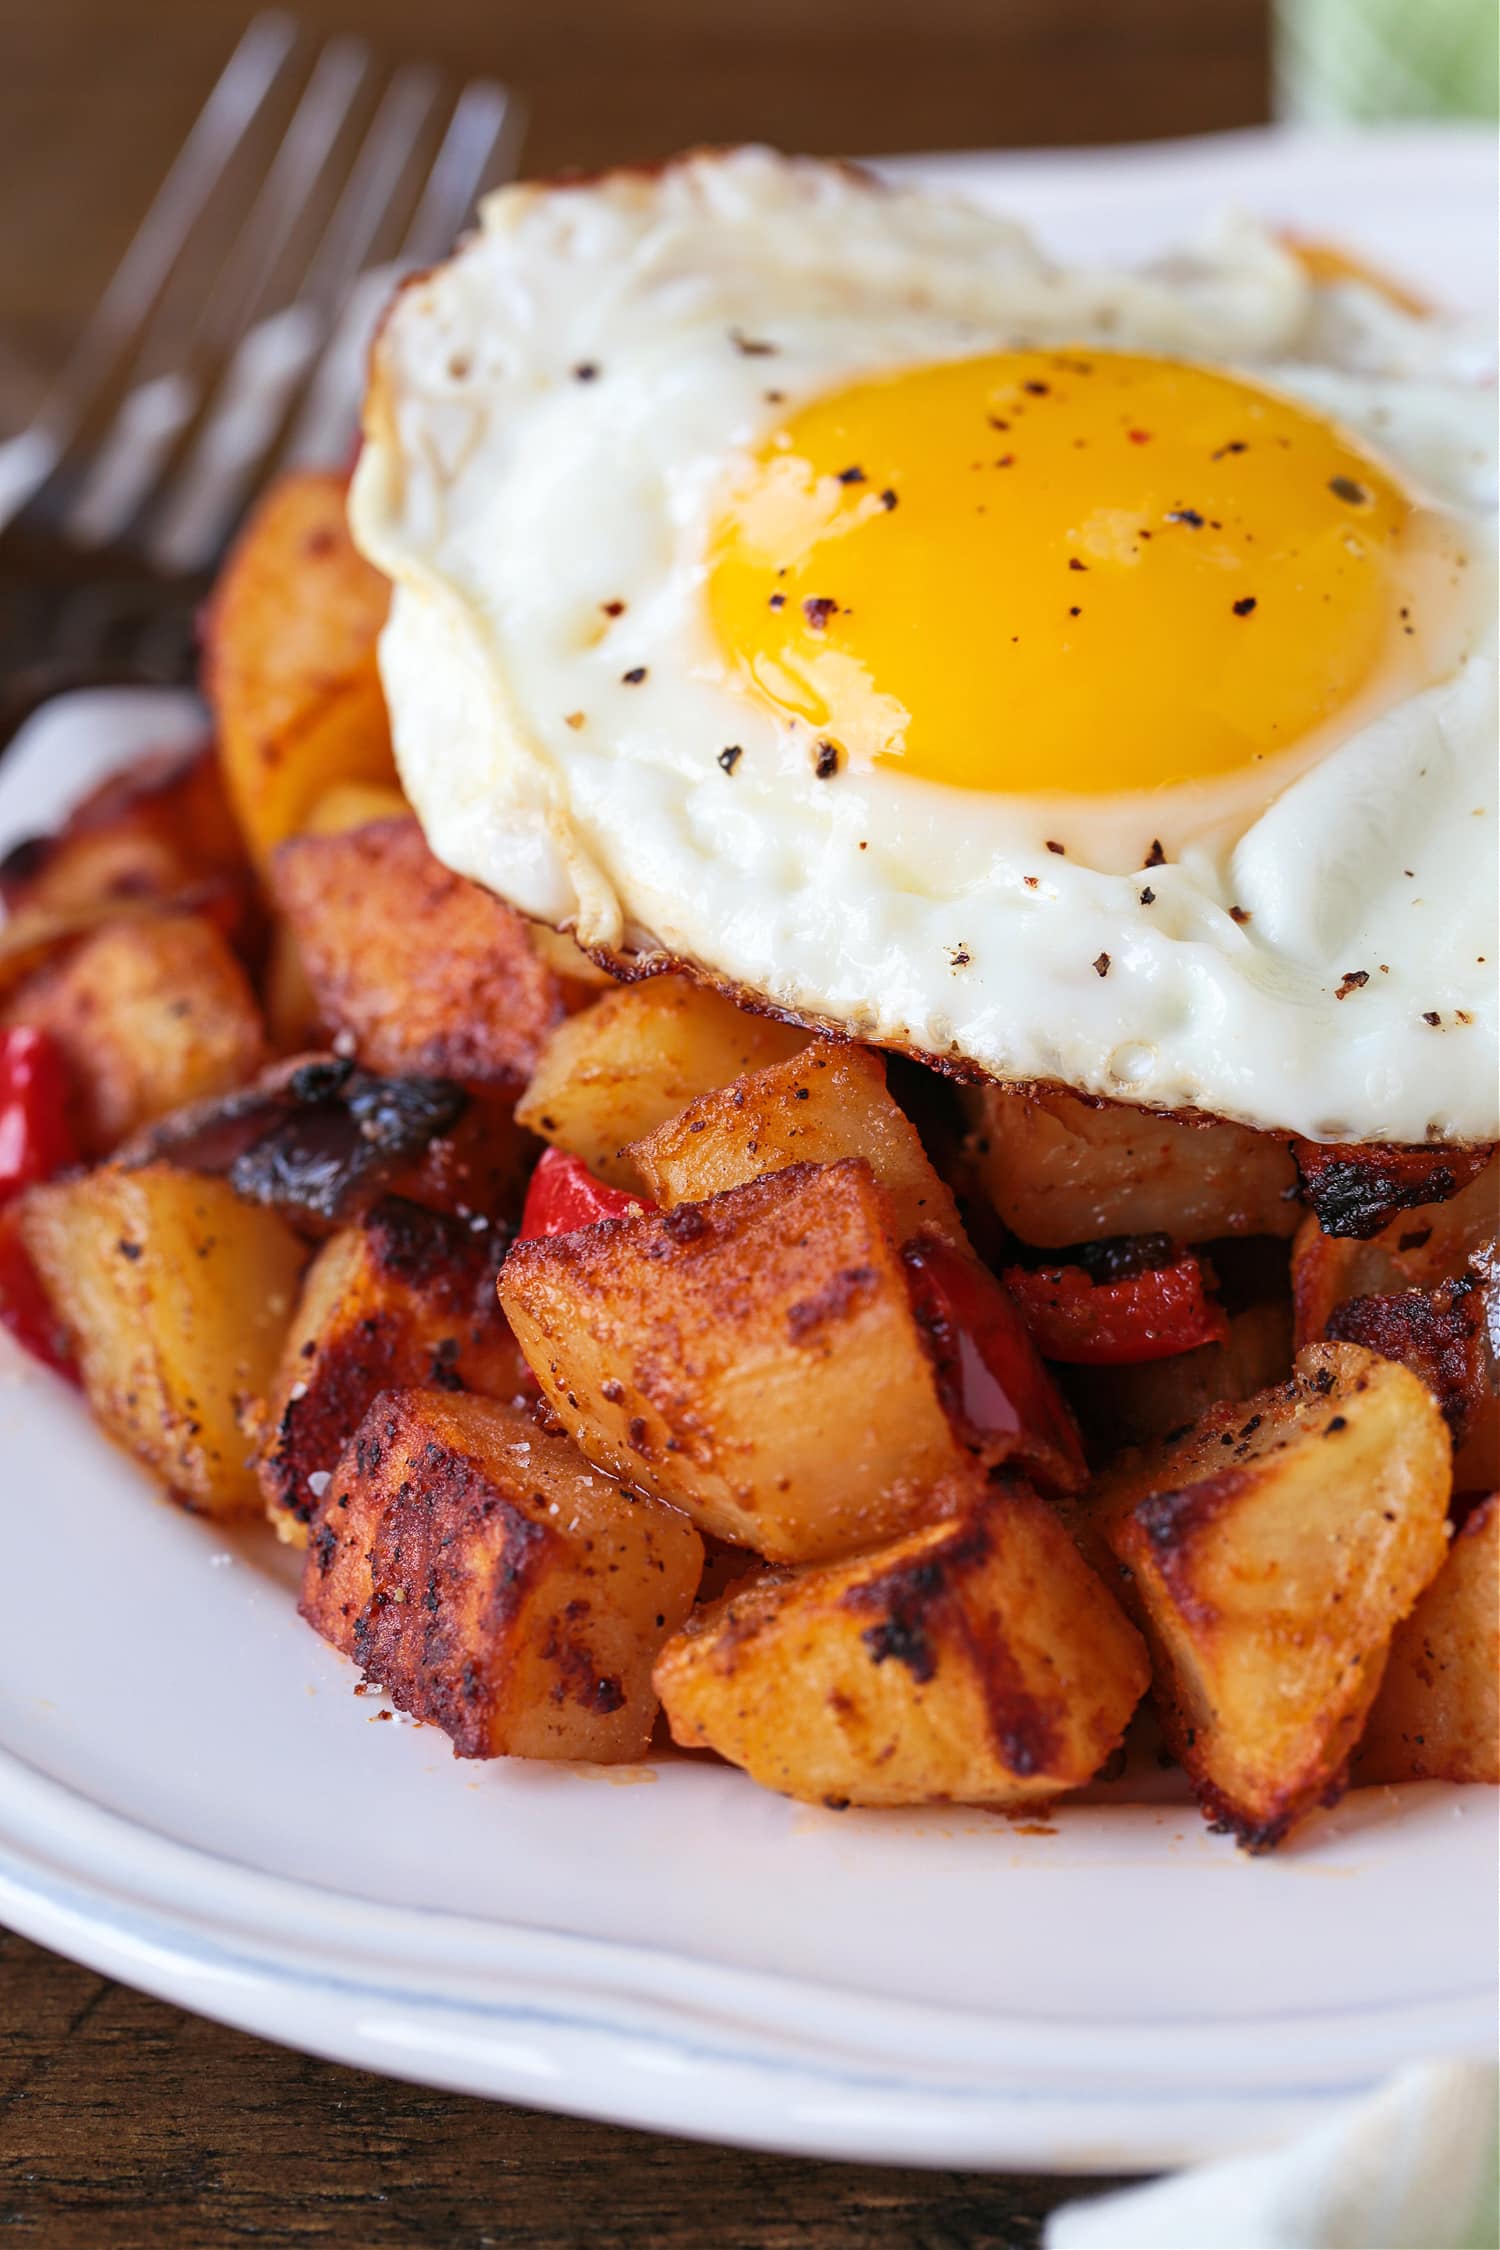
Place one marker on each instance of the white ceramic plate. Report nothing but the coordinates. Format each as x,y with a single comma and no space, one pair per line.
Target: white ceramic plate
192,1799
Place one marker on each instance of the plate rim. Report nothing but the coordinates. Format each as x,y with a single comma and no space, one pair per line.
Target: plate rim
661,2040
667,2041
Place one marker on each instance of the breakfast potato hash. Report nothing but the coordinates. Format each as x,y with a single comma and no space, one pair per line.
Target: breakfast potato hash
629,1362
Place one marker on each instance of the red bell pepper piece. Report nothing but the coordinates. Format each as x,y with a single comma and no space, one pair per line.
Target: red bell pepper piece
36,1139
987,1364
1150,1315
564,1195
25,1309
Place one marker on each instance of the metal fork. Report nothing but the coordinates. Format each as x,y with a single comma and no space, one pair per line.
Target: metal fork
229,344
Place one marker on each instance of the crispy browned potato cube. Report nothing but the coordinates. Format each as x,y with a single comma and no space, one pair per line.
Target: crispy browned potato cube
1417,1250
290,660
159,827
1061,1168
978,1660
176,1297
149,1013
1273,1550
424,971
1437,1716
478,1569
826,1102
611,1074
406,1297
754,1360
1420,1251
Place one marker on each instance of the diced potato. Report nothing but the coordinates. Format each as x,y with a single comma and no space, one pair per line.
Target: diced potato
291,1010
1272,1552
1420,1250
1061,1169
149,1013
424,971
1134,1405
479,1570
1437,1716
566,958
1417,1250
1357,1188
978,1660
354,804
290,660
159,827
754,1360
1446,1337
826,1102
404,1298
176,1298
612,1074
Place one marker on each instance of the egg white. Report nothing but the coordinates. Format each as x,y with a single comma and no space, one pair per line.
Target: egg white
551,418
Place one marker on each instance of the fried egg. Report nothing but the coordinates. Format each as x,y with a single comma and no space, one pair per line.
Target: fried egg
1082,676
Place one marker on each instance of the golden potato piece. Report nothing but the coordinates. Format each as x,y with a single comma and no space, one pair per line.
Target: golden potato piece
1061,1168
1418,1249
1401,1291
150,1013
480,1571
826,1102
354,804
1437,1716
152,831
611,1074
978,1660
404,1297
425,972
290,664
176,1297
754,1360
1272,1552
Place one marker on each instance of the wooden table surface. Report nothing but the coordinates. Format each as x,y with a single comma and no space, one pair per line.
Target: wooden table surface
122,2121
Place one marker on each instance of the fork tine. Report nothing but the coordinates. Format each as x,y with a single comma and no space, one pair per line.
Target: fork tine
481,144
268,373
237,101
482,140
137,450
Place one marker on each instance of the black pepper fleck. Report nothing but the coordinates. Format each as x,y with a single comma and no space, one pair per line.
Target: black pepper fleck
634,676
1101,966
585,372
826,760
729,758
817,609
1244,606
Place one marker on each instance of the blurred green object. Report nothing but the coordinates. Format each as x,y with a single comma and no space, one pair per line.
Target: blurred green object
1367,60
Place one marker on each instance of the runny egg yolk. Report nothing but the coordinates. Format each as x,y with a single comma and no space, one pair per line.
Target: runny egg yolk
1059,570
